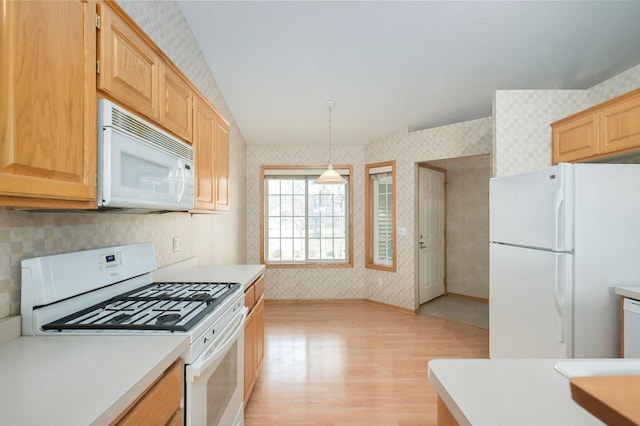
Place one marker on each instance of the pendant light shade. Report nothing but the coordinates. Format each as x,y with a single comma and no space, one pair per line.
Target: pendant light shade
330,176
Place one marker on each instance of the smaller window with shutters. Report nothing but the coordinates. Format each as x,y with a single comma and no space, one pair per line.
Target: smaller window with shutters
380,199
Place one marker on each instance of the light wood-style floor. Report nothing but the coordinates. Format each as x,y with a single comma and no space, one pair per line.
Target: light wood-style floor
353,364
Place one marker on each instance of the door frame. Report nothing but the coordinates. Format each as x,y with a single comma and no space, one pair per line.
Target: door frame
416,222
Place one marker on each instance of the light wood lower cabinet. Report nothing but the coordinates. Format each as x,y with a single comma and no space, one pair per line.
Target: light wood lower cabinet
47,104
253,335
160,404
611,128
445,418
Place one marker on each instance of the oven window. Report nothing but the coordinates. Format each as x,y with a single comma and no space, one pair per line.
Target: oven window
221,386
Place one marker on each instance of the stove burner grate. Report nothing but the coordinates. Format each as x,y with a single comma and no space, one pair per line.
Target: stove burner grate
182,305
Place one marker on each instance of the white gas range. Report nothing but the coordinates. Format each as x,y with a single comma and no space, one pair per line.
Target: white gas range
111,291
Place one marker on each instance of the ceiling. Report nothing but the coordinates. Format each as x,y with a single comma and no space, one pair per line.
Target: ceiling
393,65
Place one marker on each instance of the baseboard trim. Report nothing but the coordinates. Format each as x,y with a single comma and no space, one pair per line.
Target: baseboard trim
311,301
393,307
300,302
464,296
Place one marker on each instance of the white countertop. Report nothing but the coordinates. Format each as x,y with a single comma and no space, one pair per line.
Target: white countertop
506,392
630,292
189,270
79,380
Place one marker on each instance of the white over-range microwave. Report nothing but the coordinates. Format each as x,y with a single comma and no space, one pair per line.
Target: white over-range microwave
141,167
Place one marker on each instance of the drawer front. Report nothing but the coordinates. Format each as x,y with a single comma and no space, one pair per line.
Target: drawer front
250,297
259,286
160,402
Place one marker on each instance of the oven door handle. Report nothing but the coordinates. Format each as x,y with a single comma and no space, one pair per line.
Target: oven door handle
196,369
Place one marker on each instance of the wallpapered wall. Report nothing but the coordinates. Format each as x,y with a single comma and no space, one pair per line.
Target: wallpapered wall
519,137
467,219
316,283
407,148
216,239
522,120
518,133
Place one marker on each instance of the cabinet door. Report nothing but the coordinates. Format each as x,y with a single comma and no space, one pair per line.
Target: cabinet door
222,165
176,103
204,133
211,143
575,139
249,354
259,347
48,104
129,68
620,125
160,404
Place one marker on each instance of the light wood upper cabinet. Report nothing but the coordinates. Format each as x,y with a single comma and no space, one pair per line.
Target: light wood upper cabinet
211,143
222,164
575,139
176,103
129,68
204,133
620,125
611,128
48,104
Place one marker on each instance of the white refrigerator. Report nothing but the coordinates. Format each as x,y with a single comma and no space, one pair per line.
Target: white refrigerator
561,239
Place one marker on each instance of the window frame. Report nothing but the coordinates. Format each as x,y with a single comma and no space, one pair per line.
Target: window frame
305,171
369,216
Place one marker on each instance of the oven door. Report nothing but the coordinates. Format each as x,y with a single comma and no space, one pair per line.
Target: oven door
215,380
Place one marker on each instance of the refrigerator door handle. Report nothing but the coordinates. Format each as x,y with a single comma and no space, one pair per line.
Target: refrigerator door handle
558,203
558,296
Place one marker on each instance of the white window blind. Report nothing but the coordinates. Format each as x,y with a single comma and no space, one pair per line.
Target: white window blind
382,218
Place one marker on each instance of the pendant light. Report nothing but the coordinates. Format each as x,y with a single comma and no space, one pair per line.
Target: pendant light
330,176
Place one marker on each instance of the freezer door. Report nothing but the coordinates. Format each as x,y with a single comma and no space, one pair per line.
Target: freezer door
532,209
529,309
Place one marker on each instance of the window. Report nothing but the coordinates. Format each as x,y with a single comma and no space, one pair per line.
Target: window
305,224
380,216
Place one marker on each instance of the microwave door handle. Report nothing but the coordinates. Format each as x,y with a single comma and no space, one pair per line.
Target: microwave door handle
105,176
196,369
182,180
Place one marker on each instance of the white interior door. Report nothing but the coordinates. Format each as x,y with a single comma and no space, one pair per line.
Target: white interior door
431,244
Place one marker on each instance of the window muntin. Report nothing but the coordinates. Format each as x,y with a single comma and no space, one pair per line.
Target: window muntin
305,223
